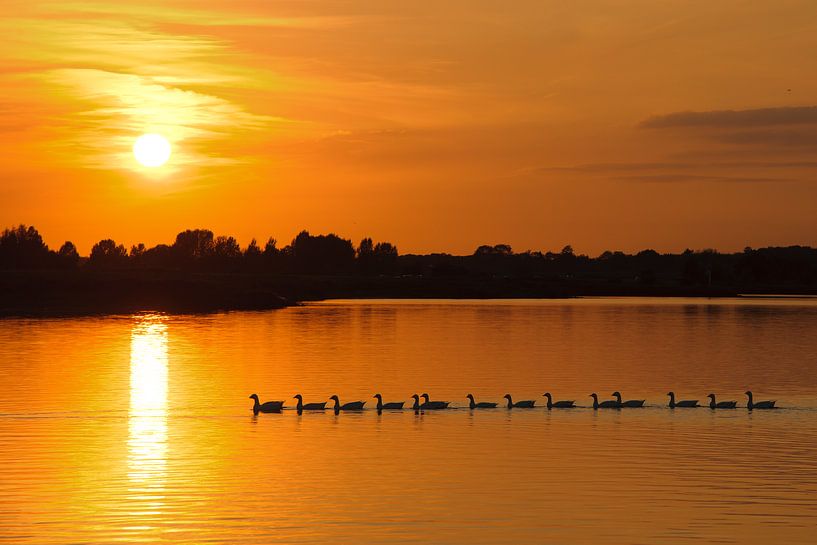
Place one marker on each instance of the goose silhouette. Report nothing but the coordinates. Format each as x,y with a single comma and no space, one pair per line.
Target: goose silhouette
428,405
301,406
433,405
609,404
481,405
558,404
396,405
721,404
267,407
758,404
683,403
629,404
527,404
351,406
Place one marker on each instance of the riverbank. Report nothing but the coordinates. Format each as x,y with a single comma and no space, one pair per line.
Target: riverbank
89,292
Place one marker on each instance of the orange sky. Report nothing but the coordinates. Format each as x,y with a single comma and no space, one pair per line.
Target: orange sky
438,126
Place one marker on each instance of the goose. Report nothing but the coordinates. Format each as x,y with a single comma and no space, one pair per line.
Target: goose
268,407
721,404
351,406
396,405
430,405
558,404
519,404
481,405
631,403
609,404
308,406
758,404
684,403
433,405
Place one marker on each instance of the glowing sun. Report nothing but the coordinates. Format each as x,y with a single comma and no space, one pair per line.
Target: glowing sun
151,150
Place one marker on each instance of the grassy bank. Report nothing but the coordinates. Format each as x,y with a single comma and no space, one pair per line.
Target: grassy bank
88,291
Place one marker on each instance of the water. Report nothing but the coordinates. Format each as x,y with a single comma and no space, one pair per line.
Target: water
138,428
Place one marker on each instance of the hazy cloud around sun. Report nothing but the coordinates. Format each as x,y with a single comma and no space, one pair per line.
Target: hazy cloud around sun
125,105
116,81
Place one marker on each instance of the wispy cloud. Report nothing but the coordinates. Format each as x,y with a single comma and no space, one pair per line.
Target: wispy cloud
117,80
161,12
691,171
126,105
686,177
773,138
659,166
761,117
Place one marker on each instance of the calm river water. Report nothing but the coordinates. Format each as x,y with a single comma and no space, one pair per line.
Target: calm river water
139,429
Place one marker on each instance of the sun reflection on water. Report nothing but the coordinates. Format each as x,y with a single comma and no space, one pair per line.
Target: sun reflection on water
147,427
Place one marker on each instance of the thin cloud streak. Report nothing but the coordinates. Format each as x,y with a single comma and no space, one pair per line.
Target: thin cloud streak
674,178
762,117
127,105
123,81
160,12
626,167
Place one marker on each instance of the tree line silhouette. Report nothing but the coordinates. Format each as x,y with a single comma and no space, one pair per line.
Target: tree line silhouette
199,250
22,247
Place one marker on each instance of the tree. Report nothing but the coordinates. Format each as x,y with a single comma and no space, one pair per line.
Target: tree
496,250
365,256
192,246
253,257
160,256
377,258
137,251
271,247
321,254
366,249
226,252
226,247
273,258
385,250
23,247
503,249
137,255
252,250
107,254
385,257
68,255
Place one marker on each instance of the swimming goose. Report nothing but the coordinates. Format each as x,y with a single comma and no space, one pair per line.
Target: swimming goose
430,405
268,407
308,406
481,405
683,403
558,404
631,403
758,404
433,405
721,404
351,406
519,404
609,404
388,406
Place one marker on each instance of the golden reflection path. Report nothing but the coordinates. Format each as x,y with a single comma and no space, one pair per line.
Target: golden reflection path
147,419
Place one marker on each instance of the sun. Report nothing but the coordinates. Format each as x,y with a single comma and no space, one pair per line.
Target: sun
151,150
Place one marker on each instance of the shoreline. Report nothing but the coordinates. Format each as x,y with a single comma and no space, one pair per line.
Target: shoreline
46,294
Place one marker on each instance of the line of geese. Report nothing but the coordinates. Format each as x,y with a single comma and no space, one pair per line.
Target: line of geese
428,405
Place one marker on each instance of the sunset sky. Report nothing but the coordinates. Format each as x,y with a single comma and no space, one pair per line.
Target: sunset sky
436,125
